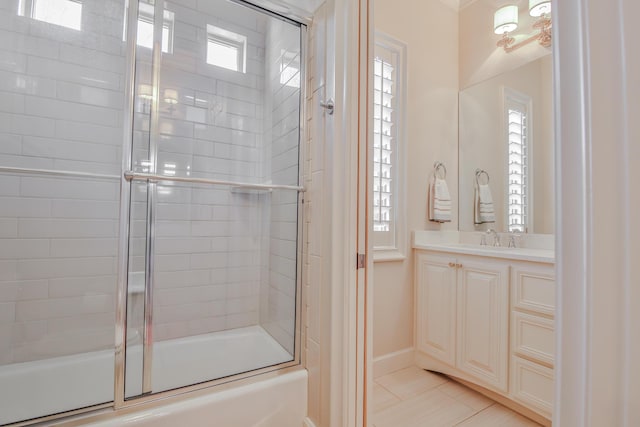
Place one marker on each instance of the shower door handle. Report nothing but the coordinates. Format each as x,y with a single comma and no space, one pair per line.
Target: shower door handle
328,105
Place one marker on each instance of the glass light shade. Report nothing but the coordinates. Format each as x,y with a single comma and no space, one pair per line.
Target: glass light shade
171,96
539,7
505,19
145,92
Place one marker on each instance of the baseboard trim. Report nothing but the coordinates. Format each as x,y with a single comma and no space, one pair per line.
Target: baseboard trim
383,365
308,423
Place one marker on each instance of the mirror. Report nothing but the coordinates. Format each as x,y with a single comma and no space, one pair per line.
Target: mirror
506,139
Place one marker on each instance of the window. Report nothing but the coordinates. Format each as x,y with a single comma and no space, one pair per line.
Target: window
388,180
226,49
66,13
518,125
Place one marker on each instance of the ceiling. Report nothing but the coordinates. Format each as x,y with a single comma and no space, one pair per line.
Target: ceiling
457,4
463,3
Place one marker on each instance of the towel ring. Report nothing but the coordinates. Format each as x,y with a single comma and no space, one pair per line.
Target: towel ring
440,167
479,173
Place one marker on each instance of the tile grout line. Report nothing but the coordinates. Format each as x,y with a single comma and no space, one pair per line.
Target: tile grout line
394,395
417,394
474,414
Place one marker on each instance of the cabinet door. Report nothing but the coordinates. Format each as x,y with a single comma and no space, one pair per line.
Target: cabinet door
436,306
483,309
532,385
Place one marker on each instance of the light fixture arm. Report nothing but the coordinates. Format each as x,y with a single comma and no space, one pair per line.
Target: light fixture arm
543,36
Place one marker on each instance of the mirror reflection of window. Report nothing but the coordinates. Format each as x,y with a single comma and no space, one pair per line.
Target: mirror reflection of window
518,117
145,28
144,36
290,69
65,13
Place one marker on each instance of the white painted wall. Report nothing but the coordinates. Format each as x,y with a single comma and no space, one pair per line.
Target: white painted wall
430,31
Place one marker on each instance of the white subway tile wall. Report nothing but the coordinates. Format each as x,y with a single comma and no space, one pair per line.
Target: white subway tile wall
282,114
224,259
62,94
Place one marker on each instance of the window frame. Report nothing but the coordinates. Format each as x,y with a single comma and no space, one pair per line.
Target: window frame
391,246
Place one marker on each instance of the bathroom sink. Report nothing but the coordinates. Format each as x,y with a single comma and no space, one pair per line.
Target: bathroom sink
524,254
490,247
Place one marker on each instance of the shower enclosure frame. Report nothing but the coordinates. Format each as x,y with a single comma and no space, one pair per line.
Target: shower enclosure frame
120,401
126,178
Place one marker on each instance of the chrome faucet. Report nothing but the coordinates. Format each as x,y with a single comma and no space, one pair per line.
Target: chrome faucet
512,239
496,237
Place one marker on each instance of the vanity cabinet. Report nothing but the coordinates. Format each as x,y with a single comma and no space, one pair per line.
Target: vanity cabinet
463,312
532,336
488,321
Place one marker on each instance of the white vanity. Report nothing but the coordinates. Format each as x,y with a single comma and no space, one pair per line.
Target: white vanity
485,315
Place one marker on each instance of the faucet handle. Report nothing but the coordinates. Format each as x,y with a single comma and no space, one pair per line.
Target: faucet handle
483,240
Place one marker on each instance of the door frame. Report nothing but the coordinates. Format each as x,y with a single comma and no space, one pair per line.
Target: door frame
598,297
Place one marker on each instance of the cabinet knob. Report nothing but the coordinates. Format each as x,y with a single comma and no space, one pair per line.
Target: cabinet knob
452,265
458,265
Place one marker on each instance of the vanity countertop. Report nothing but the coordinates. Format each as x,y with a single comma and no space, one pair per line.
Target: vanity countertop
449,244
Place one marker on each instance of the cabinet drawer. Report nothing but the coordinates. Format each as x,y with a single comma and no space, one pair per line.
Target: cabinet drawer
533,337
532,385
534,288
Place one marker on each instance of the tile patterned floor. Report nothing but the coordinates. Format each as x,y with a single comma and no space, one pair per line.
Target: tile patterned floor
413,397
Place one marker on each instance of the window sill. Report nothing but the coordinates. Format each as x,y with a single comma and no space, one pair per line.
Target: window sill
387,255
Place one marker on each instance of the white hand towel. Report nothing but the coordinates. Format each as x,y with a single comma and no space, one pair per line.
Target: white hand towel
439,200
483,205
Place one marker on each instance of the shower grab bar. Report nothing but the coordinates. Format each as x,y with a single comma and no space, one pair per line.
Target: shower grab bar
136,176
51,172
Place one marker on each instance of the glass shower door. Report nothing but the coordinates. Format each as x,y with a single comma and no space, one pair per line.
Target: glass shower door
62,73
215,194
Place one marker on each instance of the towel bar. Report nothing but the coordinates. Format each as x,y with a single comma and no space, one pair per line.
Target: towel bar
479,173
438,167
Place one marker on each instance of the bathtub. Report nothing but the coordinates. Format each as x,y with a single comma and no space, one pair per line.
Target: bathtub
279,401
39,388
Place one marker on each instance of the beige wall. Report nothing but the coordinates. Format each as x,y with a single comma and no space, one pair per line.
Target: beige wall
430,31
